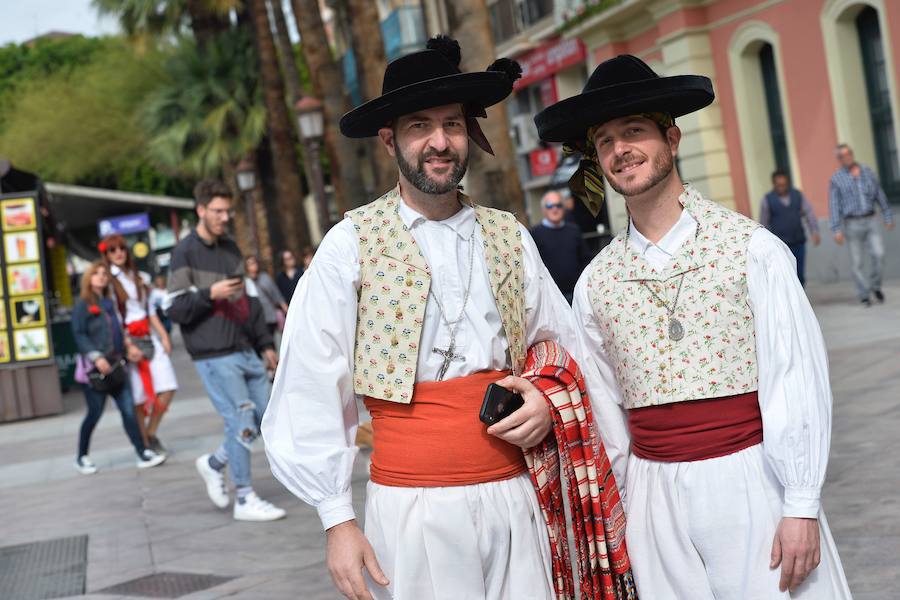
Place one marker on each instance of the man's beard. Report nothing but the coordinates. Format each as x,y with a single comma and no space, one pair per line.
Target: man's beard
662,167
425,184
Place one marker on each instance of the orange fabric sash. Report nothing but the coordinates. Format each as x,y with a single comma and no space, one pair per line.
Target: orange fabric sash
437,439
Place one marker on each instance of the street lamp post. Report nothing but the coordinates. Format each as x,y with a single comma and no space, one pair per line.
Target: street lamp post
246,181
311,123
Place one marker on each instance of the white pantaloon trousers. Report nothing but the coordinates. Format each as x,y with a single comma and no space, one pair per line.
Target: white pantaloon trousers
474,542
703,530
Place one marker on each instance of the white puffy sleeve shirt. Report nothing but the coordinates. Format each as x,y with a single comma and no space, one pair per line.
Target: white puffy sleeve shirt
794,390
311,421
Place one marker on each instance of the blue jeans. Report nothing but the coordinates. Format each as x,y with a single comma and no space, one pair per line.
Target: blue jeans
236,382
799,251
95,401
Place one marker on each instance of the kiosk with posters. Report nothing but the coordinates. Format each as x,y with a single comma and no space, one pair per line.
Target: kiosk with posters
28,373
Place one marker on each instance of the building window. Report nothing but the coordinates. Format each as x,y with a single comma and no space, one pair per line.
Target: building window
773,108
879,100
503,20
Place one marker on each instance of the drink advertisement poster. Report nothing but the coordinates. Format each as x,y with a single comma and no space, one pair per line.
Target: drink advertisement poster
24,322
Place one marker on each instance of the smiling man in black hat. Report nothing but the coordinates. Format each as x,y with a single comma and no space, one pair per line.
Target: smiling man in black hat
704,360
416,303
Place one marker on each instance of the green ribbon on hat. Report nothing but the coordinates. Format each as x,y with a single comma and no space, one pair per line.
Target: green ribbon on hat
587,181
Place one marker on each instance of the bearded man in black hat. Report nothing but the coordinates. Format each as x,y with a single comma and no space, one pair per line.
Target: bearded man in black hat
417,302
703,358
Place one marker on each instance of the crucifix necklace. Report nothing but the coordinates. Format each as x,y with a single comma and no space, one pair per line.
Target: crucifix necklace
449,353
676,329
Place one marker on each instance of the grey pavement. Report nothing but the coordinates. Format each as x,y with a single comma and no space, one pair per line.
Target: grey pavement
159,520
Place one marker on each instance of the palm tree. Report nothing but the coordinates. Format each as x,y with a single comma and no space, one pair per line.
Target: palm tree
492,179
368,49
147,19
328,85
281,138
207,113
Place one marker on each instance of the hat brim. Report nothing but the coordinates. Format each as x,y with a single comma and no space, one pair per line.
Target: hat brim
484,88
569,119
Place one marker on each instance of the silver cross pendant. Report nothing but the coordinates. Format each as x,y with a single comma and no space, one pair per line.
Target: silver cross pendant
448,356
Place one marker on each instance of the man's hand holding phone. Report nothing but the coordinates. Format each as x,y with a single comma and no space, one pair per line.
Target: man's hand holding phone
226,288
528,425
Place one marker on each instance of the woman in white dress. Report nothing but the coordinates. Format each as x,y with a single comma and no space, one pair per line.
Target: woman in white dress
153,381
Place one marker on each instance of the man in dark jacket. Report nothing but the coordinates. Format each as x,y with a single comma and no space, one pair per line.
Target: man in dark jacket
224,329
783,211
560,244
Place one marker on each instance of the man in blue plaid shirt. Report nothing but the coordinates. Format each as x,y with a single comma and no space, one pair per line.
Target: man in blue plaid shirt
853,195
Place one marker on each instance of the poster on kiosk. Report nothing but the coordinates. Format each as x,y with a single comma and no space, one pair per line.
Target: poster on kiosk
24,323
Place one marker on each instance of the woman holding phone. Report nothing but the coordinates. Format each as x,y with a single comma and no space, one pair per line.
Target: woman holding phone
101,349
153,381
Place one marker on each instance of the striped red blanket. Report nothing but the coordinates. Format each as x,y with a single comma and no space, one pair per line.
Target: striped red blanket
597,515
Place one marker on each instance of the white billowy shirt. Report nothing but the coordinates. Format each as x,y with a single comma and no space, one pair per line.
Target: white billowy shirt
311,421
794,391
135,309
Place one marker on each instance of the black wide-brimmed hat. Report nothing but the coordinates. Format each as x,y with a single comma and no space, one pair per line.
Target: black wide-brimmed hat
620,87
431,78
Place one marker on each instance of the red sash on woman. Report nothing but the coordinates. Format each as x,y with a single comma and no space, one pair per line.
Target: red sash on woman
140,329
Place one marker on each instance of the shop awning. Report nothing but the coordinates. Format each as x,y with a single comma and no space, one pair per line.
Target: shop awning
76,206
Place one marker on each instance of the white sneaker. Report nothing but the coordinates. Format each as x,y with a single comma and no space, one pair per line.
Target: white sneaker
85,466
150,459
253,508
215,482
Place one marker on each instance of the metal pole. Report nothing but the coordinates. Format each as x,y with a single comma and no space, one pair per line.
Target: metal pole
318,185
249,207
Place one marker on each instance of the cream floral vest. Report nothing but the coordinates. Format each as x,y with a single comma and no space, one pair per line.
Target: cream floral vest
394,284
717,355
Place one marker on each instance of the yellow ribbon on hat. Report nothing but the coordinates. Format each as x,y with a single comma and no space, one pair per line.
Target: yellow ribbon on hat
587,181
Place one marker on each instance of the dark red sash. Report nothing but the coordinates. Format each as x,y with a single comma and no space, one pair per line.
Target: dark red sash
696,430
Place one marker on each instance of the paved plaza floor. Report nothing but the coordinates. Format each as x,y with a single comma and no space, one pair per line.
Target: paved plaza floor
159,520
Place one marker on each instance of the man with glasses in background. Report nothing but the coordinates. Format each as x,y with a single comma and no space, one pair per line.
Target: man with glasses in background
560,244
224,331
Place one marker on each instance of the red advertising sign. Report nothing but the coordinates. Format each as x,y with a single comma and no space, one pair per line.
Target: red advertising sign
547,60
543,161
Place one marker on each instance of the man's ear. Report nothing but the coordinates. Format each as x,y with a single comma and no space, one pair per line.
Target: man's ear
673,136
387,138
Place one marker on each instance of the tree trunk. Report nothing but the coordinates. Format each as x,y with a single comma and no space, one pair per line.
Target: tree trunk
205,24
368,48
492,180
284,153
286,53
328,85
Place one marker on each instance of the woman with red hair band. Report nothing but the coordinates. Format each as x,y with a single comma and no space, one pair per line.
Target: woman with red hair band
152,376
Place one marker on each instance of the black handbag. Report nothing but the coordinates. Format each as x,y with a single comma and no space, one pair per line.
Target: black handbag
110,383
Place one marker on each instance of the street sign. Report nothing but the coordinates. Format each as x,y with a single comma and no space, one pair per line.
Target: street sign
124,225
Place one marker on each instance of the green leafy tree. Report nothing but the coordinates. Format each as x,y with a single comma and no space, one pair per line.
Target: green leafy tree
78,124
207,111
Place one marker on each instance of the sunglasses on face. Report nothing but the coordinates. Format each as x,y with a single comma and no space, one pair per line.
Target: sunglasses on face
557,205
112,249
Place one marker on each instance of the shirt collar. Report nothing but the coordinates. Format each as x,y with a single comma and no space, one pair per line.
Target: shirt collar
114,270
463,222
670,243
546,223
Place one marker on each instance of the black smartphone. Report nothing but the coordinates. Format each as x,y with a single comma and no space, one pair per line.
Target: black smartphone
498,404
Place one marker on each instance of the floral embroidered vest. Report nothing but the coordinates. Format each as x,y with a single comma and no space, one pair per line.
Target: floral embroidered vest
717,355
394,284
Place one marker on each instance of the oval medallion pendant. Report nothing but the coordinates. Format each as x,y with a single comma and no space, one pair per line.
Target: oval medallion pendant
676,329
